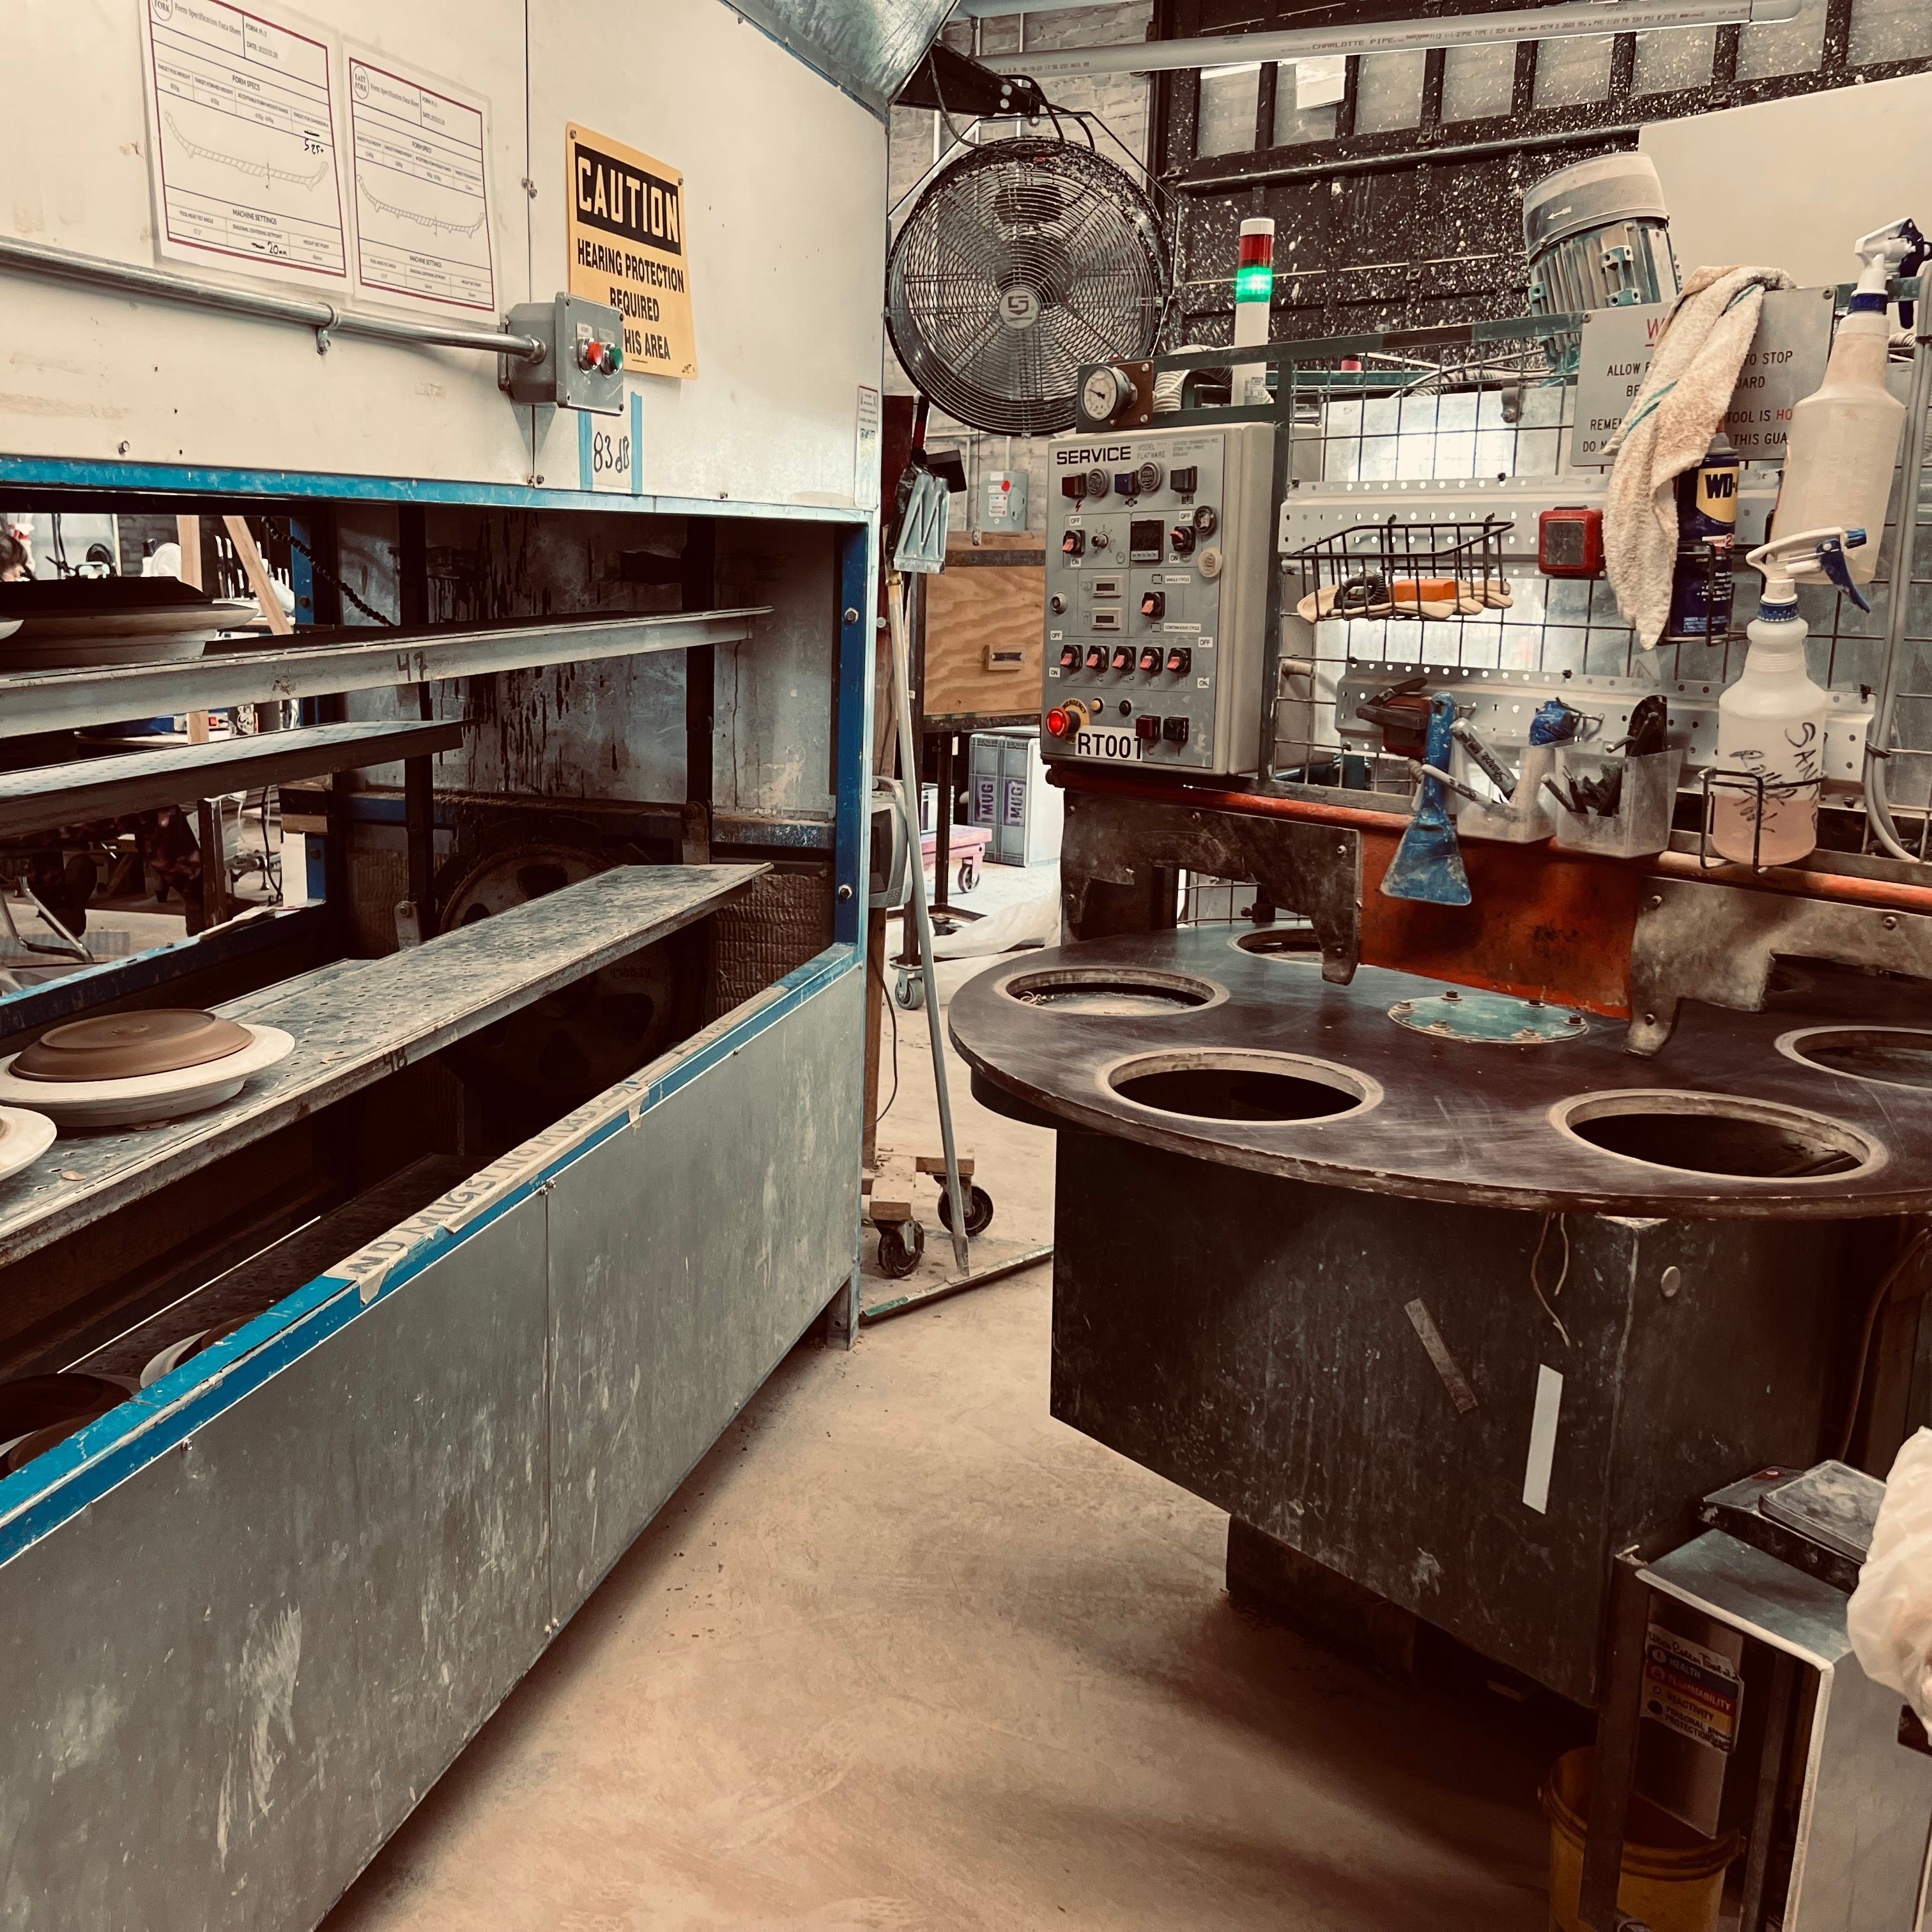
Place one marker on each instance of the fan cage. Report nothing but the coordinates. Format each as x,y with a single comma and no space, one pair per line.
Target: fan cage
1020,262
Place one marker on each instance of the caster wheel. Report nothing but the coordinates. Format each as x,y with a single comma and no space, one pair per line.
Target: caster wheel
978,1209
896,1257
969,875
911,992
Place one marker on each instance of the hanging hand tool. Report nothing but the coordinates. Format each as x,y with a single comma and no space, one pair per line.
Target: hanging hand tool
1492,767
1418,770
1428,862
1400,712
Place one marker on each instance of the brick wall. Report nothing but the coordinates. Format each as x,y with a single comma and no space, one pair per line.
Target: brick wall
1121,102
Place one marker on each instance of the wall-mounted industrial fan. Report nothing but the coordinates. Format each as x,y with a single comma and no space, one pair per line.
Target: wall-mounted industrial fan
1020,261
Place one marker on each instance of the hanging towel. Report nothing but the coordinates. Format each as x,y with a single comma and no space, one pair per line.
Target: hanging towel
1679,408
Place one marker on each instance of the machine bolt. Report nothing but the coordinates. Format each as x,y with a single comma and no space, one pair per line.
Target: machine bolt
1890,922
1650,1019
1669,1281
123,447
844,893
851,615
1341,851
1656,900
1452,995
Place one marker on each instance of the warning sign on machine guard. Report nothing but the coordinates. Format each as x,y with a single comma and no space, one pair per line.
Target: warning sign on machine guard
1690,1690
625,233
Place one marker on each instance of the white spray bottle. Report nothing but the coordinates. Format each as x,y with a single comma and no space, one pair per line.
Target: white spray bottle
1770,722
1843,445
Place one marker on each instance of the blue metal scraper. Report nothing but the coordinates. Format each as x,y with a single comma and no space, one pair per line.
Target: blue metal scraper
1428,863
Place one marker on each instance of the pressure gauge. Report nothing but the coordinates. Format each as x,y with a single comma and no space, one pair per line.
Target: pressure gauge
1106,394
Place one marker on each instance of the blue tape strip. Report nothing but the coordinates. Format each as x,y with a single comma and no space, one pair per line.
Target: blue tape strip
50,472
637,444
58,1485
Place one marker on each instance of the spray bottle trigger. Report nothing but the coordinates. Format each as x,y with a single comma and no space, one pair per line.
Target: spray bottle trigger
1831,559
1913,261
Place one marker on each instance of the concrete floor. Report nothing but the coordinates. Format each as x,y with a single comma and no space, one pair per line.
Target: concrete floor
904,1653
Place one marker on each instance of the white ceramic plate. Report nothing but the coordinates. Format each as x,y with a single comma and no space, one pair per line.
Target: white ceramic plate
25,1135
147,1097
164,636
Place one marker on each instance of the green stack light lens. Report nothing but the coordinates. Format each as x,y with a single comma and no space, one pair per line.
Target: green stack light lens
1256,283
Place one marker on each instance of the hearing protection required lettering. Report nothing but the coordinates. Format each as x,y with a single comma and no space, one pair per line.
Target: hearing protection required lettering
625,230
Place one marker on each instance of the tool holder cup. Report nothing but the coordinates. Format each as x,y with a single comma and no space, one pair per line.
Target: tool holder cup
1639,827
1524,818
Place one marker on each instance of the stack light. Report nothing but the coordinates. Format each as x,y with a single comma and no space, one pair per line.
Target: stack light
1254,293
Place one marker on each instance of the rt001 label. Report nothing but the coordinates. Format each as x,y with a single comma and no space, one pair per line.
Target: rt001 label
1120,745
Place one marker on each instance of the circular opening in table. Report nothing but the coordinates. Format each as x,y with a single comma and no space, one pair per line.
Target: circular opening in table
1887,1056
1719,1134
1127,992
1276,1088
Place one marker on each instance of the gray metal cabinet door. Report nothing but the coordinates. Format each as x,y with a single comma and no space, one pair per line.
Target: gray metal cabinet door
243,1664
687,1253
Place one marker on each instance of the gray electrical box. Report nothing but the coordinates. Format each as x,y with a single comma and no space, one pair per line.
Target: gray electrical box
583,368
1157,559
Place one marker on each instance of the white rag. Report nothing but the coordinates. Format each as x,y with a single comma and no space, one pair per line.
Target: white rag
1668,428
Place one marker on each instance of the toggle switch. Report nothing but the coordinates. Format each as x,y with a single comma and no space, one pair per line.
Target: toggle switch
1151,660
1153,605
1073,543
1097,657
1124,657
1069,657
1182,537
1180,661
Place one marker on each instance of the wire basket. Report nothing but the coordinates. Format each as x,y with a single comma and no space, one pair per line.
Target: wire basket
1425,572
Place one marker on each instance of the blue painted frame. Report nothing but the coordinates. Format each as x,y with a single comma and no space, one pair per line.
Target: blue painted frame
186,479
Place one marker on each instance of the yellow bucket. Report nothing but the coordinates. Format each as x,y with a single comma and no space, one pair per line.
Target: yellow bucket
1673,1877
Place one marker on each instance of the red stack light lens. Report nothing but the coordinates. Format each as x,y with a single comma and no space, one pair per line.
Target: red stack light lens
1257,252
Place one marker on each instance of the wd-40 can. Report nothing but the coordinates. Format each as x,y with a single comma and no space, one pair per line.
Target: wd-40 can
1707,524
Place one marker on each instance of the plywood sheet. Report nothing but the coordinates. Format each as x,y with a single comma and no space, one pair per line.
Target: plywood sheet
985,599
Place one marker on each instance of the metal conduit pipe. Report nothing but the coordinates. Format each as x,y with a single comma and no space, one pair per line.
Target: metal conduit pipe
1790,881
63,265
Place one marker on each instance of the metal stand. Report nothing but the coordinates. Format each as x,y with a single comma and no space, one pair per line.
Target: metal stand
921,916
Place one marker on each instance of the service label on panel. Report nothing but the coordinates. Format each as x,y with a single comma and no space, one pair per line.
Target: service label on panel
626,232
1784,364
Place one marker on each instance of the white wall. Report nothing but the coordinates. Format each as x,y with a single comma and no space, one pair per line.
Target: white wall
1792,183
787,183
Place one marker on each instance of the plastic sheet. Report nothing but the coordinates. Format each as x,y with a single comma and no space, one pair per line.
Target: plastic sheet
1889,1619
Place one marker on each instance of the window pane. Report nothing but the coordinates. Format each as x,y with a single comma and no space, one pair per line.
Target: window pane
1569,71
1229,99
1476,81
1681,58
1884,30
1792,46
1306,92
1388,94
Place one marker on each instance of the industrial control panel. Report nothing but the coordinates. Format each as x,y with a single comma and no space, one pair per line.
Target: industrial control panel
1157,556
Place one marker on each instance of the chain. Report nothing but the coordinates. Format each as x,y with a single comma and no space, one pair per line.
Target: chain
316,563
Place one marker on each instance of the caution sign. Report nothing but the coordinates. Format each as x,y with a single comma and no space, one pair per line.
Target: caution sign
626,235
